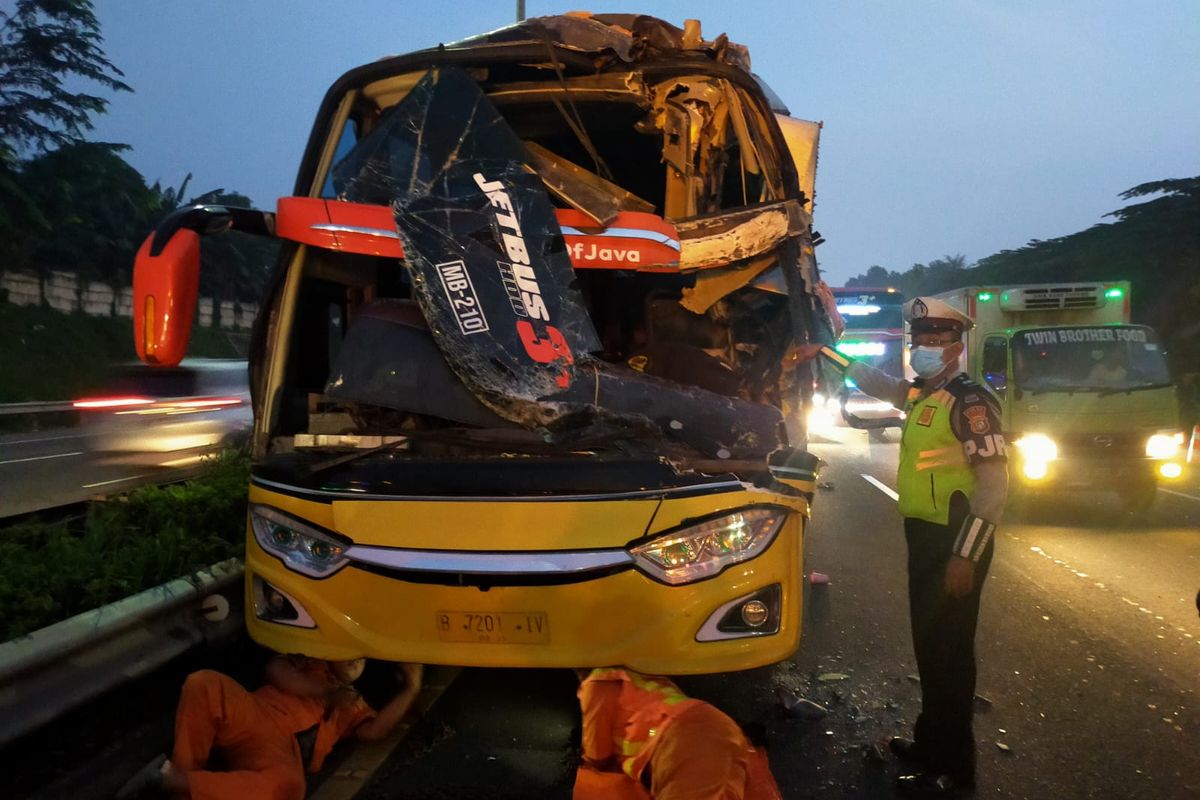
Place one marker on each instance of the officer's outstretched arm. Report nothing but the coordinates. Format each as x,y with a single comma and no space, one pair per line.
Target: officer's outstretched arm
987,507
870,380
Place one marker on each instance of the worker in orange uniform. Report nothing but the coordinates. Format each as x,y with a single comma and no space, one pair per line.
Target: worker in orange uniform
258,735
644,738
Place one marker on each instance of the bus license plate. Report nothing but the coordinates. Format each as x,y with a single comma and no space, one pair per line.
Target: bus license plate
506,627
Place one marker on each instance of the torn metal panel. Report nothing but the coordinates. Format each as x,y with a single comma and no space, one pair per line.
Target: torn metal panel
583,190
803,140
627,37
481,243
612,87
737,116
713,284
719,240
692,114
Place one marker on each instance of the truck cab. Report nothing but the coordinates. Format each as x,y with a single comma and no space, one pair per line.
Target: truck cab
520,381
1087,398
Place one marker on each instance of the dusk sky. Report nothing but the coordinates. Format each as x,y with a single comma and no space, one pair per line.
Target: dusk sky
951,126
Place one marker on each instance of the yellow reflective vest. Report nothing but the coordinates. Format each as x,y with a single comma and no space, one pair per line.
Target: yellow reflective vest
933,465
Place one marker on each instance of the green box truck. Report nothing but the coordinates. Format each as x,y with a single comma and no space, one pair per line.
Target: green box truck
1087,397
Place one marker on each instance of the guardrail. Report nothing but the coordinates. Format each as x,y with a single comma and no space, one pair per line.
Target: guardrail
36,408
55,669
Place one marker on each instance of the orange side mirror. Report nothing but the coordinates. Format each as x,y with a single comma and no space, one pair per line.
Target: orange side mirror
166,286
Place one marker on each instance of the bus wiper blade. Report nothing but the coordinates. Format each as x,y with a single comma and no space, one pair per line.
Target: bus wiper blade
328,464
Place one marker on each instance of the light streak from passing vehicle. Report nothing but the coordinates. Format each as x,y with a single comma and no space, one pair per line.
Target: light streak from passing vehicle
111,402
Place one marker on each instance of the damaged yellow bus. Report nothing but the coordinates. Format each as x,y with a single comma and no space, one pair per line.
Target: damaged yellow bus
521,380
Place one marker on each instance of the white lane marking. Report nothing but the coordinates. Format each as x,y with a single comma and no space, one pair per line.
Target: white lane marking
48,438
881,486
1102,587
42,458
1180,494
116,480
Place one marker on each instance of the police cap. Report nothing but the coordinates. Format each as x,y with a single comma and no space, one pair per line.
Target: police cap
930,315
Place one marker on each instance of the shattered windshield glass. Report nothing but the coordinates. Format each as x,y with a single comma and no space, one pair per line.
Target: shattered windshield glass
496,294
486,256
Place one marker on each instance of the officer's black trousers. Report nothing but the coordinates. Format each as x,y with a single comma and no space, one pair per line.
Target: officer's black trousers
943,631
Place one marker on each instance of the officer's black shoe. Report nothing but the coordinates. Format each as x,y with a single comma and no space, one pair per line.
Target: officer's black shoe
931,784
905,749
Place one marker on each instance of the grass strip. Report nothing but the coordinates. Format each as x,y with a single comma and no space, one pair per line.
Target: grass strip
50,571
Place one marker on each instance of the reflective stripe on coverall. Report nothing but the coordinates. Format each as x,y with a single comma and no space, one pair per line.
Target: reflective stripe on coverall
693,750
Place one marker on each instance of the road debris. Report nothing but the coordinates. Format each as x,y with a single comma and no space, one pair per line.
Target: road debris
874,752
799,707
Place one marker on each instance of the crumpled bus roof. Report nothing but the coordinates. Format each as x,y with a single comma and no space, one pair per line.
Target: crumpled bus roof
631,38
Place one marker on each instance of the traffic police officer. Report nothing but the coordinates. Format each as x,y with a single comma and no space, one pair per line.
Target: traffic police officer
952,483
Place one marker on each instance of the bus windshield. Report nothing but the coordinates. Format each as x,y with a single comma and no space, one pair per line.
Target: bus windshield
1089,358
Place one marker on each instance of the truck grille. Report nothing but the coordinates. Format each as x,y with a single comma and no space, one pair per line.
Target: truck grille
1123,445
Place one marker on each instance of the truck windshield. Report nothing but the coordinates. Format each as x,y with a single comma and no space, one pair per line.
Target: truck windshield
1101,358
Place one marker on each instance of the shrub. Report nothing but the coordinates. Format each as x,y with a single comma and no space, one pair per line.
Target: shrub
53,570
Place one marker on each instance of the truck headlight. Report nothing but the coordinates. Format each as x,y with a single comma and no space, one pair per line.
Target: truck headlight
706,548
301,547
1164,444
1037,450
1037,447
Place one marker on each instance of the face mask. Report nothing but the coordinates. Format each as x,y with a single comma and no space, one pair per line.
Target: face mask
927,361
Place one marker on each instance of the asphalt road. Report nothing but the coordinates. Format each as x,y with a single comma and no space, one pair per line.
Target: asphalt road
110,452
1089,652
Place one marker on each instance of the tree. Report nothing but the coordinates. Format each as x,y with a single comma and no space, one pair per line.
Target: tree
42,44
939,274
101,208
1154,244
876,277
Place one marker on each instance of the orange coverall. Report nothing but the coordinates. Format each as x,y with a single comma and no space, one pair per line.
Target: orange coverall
255,734
692,749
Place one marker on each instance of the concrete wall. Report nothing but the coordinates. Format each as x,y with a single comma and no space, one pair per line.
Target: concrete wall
64,292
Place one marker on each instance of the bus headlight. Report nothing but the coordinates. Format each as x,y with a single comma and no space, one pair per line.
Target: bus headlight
1164,444
704,549
1037,450
301,547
